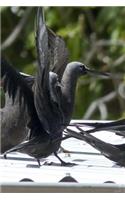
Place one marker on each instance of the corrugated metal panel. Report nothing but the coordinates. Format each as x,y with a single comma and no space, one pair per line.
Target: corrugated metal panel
92,170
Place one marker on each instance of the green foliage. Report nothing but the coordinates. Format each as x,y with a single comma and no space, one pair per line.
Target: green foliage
94,36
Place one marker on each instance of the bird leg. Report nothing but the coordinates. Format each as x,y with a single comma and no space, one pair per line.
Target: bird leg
63,163
38,162
5,156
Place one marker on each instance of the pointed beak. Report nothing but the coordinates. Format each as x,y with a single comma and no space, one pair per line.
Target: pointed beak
93,72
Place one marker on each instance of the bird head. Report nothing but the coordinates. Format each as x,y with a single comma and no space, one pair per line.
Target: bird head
81,69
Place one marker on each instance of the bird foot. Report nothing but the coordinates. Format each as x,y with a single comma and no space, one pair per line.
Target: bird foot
32,166
5,156
51,164
68,164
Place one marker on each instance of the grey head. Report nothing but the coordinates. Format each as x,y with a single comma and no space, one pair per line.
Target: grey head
80,69
72,72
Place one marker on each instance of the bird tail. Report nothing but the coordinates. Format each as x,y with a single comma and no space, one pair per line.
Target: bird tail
18,148
117,126
108,150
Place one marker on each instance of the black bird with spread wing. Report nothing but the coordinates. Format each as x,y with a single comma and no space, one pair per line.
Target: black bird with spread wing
114,152
51,99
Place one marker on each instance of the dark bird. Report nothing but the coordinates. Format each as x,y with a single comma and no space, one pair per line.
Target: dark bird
113,152
50,101
13,124
14,118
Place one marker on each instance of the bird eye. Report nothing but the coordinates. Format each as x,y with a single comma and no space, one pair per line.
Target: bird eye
81,67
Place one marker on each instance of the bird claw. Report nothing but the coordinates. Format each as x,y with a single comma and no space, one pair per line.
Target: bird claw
5,156
68,164
32,166
65,164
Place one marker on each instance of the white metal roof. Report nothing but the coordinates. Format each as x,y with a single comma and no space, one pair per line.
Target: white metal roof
92,168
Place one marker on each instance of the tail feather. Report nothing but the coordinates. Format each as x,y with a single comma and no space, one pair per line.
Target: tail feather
18,148
113,152
117,126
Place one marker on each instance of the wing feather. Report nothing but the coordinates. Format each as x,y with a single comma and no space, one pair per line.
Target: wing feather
52,56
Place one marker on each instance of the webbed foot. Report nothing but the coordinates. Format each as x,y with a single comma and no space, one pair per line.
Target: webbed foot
68,164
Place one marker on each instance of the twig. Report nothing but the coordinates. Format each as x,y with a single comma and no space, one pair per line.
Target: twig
103,110
91,19
118,61
104,42
121,90
95,44
99,104
15,33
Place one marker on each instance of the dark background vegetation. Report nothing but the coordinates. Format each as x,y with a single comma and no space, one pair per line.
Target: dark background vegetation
93,35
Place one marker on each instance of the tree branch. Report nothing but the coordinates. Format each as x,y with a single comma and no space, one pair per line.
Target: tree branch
104,42
99,103
13,36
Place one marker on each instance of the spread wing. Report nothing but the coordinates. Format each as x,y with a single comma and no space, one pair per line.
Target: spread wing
52,56
59,55
41,91
16,84
112,152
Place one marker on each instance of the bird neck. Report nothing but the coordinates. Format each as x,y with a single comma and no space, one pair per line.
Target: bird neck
68,82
